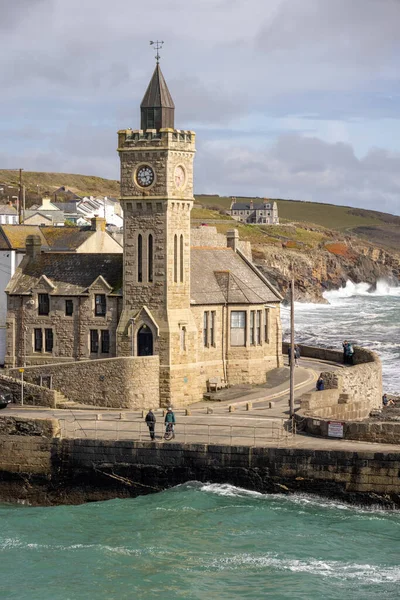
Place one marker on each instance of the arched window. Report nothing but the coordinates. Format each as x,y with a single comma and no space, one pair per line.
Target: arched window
150,258
140,257
181,258
175,258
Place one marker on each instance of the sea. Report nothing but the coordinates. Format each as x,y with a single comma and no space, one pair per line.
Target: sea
202,541
365,315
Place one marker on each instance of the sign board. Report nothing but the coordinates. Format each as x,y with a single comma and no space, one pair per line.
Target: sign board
335,429
21,370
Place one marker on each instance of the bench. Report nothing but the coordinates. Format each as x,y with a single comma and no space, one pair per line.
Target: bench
215,383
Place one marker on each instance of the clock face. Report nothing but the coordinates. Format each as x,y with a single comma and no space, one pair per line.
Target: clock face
179,176
145,176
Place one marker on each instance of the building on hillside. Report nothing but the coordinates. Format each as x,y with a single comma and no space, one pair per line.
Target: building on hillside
8,214
108,208
73,240
202,309
45,214
264,213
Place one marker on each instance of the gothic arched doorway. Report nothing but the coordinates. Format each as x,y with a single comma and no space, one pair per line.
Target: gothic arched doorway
145,341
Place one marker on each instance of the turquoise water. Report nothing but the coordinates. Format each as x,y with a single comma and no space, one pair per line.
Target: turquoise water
202,542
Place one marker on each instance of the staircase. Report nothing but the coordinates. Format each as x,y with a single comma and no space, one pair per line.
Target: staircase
62,401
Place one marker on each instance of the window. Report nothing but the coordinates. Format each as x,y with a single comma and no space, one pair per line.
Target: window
150,258
238,328
139,258
175,258
100,305
212,327
44,304
69,308
94,341
252,327
266,332
181,258
205,328
105,341
183,339
258,328
48,340
38,340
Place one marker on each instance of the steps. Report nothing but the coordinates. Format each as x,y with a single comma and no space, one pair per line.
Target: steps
62,401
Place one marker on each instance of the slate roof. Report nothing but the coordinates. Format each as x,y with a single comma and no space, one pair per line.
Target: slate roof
244,206
220,275
53,215
6,209
13,237
157,93
71,274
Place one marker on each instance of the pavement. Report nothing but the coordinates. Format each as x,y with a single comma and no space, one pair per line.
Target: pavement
229,423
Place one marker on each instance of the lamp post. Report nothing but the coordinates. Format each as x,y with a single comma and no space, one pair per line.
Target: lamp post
292,356
22,385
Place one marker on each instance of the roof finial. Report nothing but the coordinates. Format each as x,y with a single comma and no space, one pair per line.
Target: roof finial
158,45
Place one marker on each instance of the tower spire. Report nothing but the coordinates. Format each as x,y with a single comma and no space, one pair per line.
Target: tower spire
157,107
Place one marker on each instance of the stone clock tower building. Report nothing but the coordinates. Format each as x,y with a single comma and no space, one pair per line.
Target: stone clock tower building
157,198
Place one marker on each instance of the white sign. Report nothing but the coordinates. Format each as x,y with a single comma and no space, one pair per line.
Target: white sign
335,429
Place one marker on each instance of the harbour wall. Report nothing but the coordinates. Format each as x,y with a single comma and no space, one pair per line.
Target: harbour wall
39,467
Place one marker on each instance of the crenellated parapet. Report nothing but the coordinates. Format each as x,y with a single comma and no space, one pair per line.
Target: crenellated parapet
153,139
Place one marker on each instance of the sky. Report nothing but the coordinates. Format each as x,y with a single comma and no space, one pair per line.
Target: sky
289,98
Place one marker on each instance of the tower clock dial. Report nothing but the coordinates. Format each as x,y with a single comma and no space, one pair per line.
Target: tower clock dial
179,176
145,176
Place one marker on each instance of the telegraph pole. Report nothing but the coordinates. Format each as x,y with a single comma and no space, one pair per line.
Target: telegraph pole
20,197
292,356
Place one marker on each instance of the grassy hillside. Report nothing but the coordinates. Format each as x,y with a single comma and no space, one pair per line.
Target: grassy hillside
327,215
83,185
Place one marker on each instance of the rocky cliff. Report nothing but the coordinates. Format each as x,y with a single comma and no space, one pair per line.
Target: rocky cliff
326,266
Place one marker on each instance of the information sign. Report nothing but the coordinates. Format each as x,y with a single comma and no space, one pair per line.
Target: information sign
335,429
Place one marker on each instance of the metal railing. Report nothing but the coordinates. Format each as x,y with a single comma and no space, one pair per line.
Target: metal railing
271,430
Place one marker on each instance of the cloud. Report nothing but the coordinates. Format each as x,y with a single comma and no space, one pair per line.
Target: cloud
298,167
296,98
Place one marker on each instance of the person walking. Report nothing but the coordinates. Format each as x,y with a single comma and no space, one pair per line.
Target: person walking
320,384
151,423
296,355
170,421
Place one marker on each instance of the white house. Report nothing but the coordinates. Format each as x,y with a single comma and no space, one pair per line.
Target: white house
108,208
8,215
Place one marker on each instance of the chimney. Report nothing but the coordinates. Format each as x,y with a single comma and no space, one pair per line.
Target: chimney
33,246
98,223
46,201
232,239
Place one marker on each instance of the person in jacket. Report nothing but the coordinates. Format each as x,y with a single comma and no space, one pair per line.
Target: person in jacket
170,418
320,384
348,352
151,423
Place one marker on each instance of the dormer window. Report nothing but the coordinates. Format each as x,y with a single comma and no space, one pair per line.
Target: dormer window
43,304
100,305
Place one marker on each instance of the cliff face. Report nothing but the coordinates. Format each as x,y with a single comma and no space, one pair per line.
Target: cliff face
326,267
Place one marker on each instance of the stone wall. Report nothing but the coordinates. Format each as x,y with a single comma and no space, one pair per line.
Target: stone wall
131,382
84,469
34,395
205,235
361,382
368,431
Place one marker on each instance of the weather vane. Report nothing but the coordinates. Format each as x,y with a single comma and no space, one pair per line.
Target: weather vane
157,45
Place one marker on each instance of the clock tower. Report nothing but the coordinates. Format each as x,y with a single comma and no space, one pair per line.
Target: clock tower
157,198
